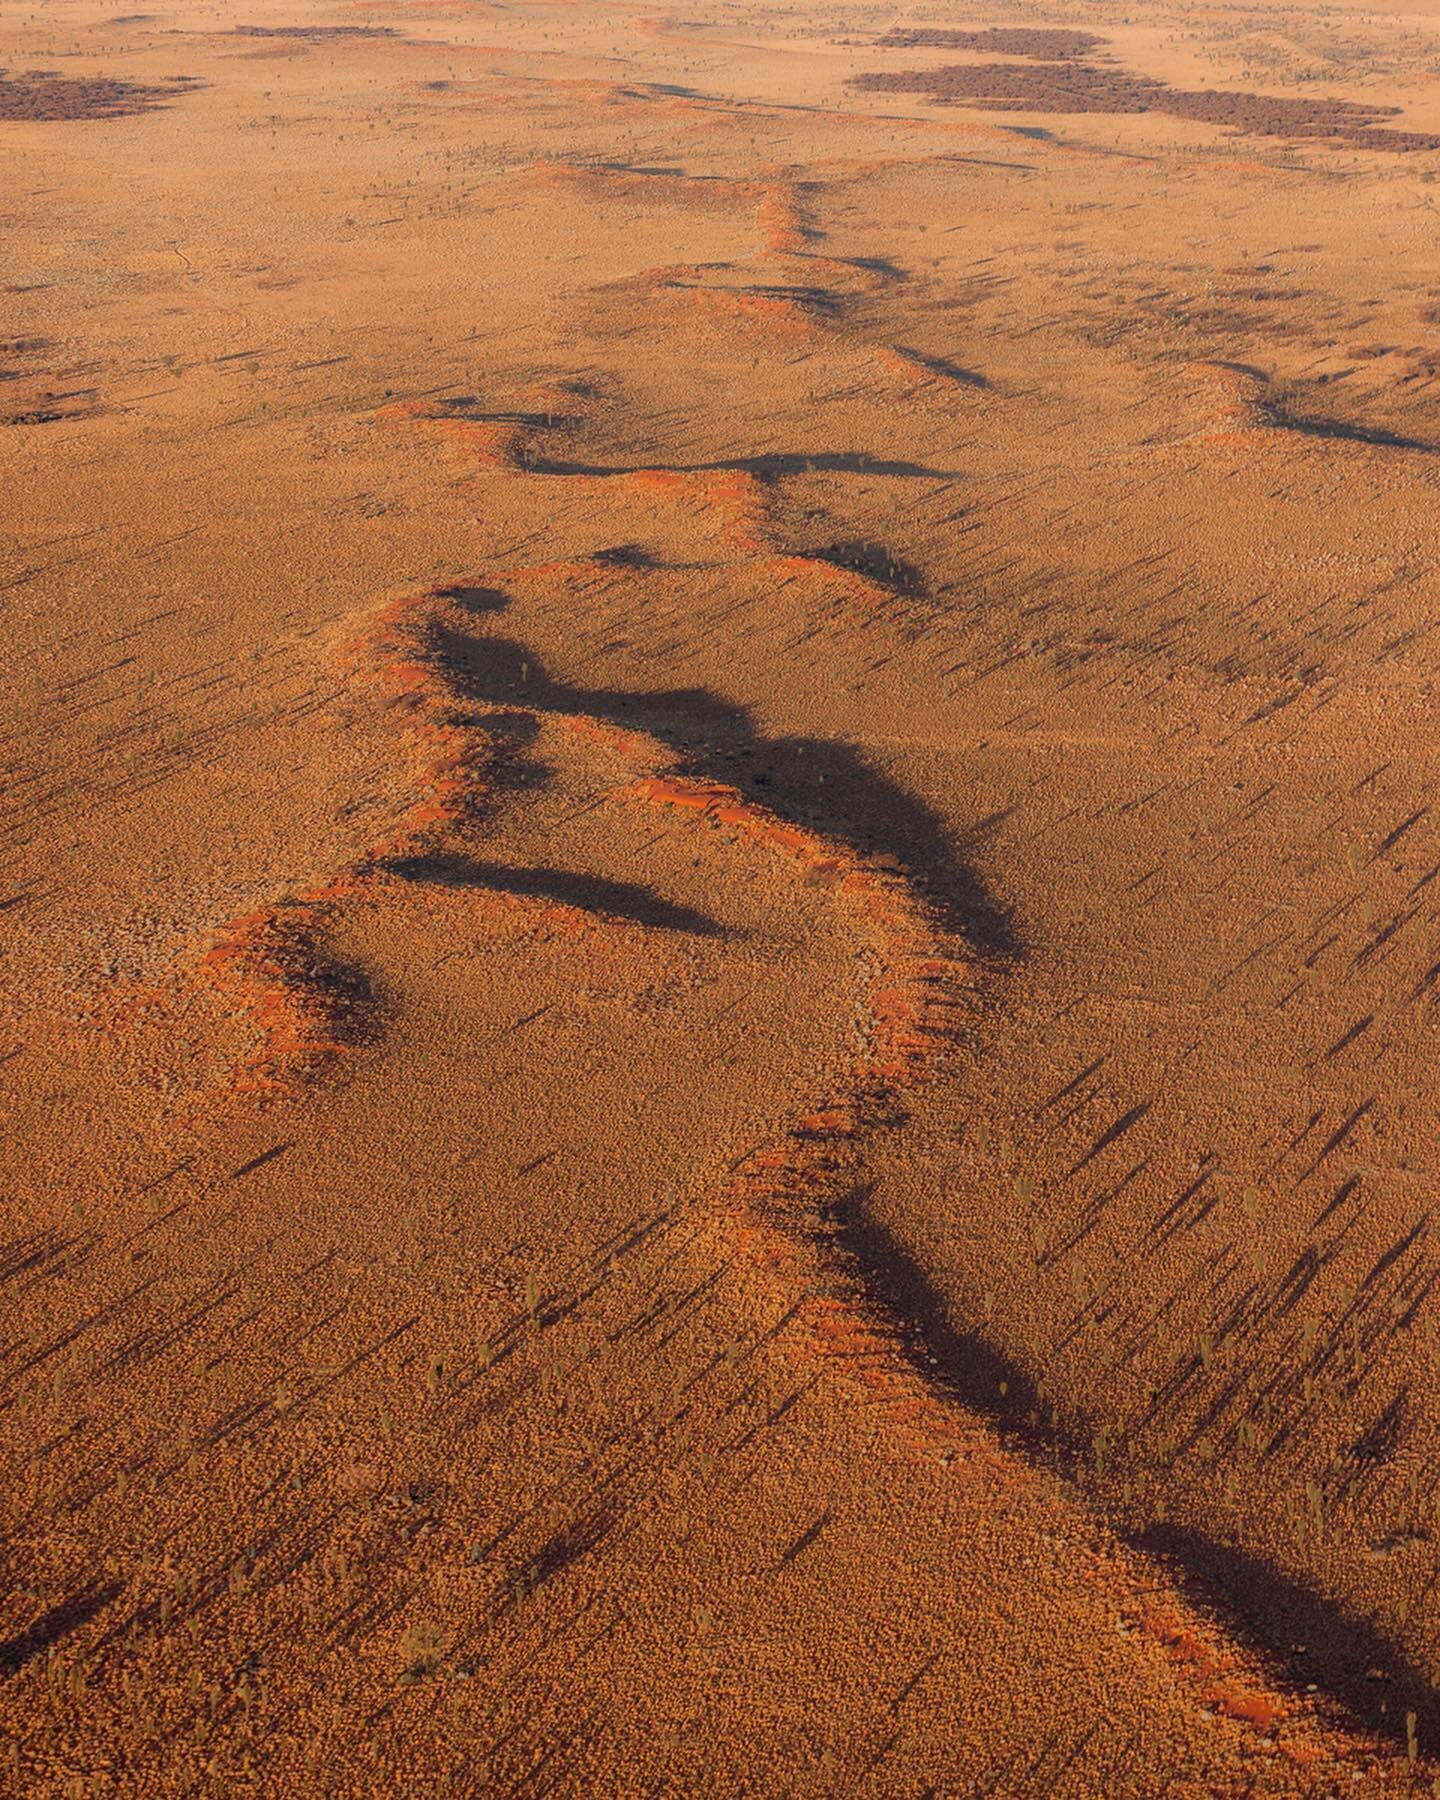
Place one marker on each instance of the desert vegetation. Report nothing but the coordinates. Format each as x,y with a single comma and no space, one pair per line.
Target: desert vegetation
718,882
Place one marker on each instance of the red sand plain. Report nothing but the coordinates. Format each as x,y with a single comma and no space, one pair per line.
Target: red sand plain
718,886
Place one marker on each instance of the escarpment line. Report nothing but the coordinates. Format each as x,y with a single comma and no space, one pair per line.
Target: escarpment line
784,1207
307,1014
733,500
269,966
304,1011
809,301
785,1211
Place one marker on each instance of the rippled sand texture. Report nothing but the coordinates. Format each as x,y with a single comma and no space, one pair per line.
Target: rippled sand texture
718,896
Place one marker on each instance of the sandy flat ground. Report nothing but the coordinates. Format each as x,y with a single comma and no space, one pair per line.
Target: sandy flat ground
718,897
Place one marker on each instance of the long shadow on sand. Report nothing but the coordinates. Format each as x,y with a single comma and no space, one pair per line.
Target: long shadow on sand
1305,1637
812,781
591,893
829,786
772,466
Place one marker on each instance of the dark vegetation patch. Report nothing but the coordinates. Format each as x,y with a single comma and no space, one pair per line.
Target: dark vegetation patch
1078,87
40,96
1016,40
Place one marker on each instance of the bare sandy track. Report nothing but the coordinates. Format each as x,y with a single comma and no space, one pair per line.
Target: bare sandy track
718,902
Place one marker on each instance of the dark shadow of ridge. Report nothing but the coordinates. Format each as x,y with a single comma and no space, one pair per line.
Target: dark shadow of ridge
1374,435
1300,1634
771,467
948,371
877,563
590,893
1255,1603
716,739
53,1627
